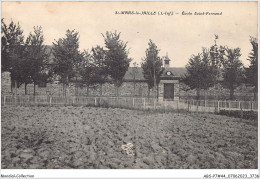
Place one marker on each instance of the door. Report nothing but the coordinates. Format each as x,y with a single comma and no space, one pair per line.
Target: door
168,93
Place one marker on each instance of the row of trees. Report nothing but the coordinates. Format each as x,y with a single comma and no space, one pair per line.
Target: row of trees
221,64
217,64
29,61
25,59
94,67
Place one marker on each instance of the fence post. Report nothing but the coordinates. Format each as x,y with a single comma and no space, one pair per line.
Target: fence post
164,105
95,101
205,105
197,107
241,115
144,103
133,102
239,105
252,105
218,107
50,100
178,107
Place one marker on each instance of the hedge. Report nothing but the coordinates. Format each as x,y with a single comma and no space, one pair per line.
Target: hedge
252,115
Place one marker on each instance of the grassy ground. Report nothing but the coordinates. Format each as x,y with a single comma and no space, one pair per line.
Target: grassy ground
88,137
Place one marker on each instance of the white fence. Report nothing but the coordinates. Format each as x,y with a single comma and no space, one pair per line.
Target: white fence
123,102
131,103
212,106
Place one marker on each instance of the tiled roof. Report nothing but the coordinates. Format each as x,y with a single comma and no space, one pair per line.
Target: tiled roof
178,72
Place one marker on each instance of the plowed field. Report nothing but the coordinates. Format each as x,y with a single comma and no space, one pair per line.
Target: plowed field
88,137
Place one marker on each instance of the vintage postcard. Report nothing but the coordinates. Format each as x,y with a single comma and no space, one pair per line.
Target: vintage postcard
129,85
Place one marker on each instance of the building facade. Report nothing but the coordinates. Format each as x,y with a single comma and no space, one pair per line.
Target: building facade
134,85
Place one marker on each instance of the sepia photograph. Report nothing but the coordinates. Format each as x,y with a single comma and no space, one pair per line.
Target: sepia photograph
129,85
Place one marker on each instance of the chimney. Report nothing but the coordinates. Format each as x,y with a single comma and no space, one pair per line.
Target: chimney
166,61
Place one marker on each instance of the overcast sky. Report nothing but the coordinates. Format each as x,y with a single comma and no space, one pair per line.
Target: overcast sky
179,35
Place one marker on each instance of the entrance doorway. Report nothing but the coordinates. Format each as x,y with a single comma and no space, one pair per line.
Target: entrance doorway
168,93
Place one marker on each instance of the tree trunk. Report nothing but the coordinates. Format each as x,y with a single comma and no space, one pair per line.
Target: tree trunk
87,90
154,91
34,88
15,86
231,93
59,89
11,86
198,94
157,90
206,94
67,83
25,88
63,91
255,94
134,87
117,91
76,88
100,89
